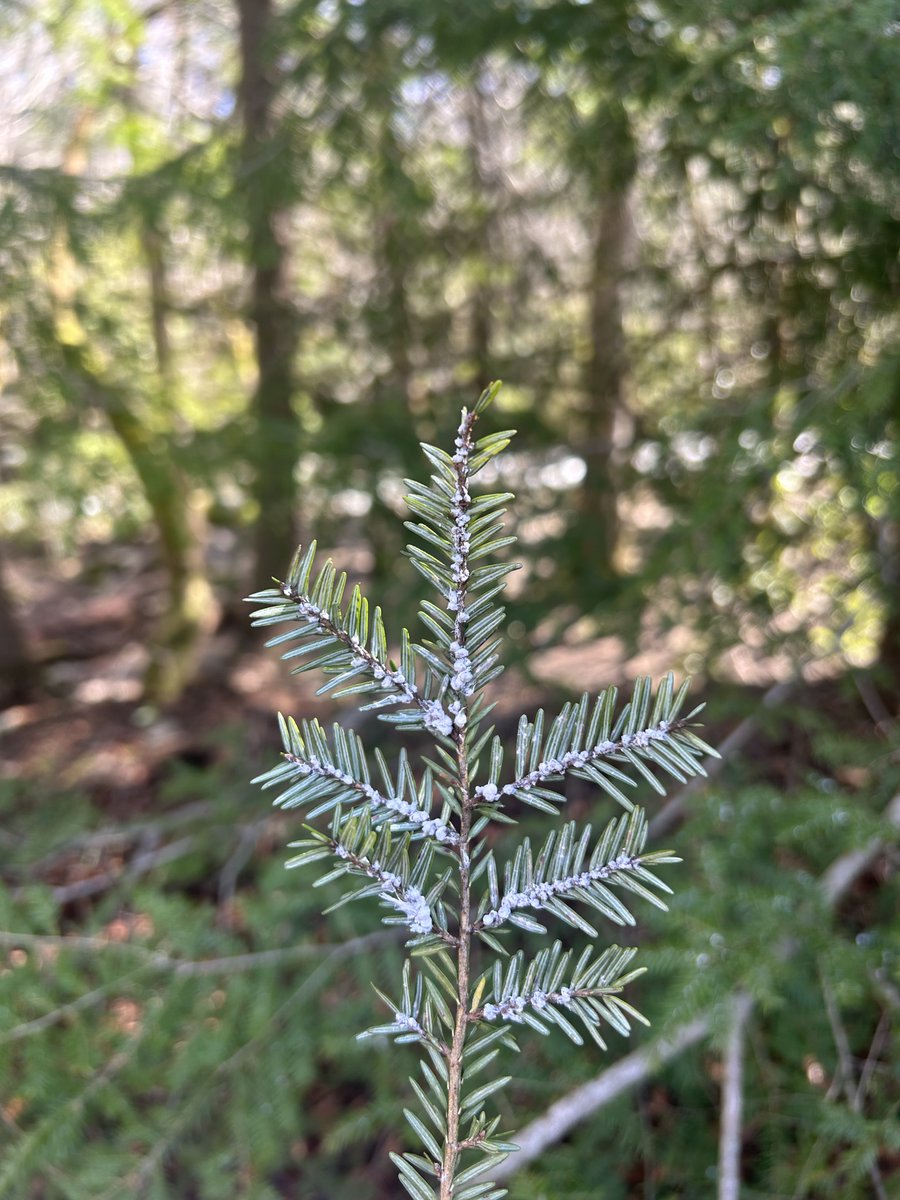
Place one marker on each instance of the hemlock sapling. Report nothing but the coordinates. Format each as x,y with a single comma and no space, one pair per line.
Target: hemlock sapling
415,840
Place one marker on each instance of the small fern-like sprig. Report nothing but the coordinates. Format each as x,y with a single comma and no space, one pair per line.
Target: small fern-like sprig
326,774
563,870
591,742
534,993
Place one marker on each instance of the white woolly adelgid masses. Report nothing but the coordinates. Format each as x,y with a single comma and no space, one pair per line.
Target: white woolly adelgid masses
512,1008
537,895
406,899
459,512
419,817
415,909
436,719
409,1024
462,678
576,759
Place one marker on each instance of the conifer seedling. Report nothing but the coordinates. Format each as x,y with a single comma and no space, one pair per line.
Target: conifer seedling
412,836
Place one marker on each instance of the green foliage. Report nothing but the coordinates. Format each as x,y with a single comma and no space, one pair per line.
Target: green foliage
162,1041
236,1012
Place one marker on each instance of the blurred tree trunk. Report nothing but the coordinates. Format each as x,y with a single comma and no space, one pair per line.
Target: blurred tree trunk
396,263
879,404
484,189
394,256
17,674
191,608
605,371
392,246
265,184
887,543
159,300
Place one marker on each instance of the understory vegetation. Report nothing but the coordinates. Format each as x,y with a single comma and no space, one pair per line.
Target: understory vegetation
191,1034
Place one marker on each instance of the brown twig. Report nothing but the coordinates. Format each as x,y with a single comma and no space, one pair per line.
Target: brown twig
122,835
875,706
39,1024
452,1146
141,864
248,840
844,1073
879,1039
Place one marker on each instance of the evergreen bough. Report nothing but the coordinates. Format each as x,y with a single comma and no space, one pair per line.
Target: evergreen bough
416,841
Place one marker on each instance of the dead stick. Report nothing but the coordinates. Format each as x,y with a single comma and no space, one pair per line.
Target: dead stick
732,1120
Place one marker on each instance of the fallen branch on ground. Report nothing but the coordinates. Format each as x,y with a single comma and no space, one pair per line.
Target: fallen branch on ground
731,1127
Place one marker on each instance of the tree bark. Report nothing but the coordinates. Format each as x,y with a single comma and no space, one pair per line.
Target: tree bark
484,189
604,381
191,608
606,367
887,543
265,171
392,325
16,671
154,252
392,247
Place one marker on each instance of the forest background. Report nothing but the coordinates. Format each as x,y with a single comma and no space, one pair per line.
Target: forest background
253,252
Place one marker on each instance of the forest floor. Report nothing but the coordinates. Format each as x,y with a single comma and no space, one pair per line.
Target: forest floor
87,731
86,726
